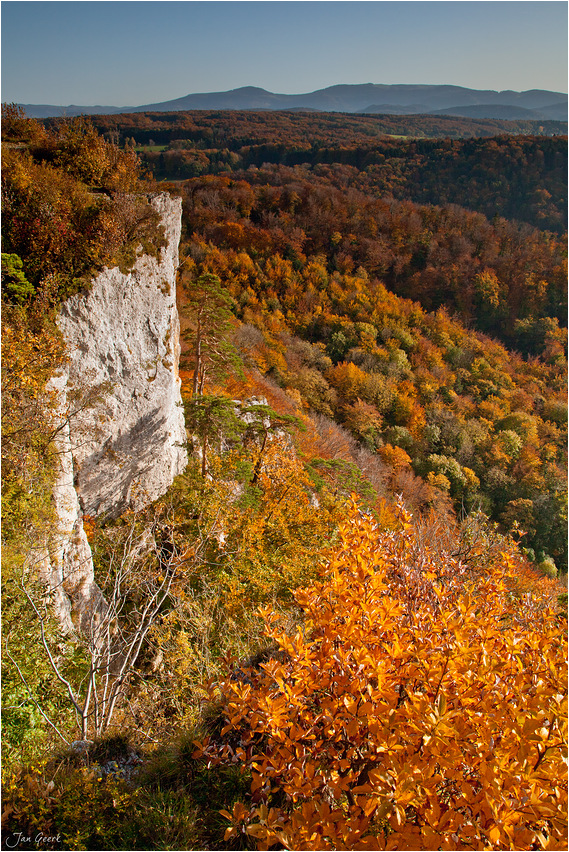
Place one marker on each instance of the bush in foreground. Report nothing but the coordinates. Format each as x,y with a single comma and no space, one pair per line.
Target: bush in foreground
422,707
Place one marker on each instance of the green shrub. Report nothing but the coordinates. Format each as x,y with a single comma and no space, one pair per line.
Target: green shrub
548,567
15,286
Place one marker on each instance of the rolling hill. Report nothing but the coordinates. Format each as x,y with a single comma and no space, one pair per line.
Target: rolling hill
367,97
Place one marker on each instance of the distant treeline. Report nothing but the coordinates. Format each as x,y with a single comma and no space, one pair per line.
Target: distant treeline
494,170
235,129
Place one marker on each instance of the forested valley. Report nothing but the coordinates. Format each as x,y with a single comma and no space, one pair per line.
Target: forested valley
349,612
511,169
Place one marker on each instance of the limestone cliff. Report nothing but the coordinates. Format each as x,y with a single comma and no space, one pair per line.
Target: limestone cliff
124,335
125,449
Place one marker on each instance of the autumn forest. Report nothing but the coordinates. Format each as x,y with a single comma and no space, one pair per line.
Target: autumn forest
361,636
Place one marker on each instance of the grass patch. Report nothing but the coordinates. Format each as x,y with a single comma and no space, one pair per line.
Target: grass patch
172,802
143,149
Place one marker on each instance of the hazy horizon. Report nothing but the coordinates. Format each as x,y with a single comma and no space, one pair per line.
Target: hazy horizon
322,88
133,53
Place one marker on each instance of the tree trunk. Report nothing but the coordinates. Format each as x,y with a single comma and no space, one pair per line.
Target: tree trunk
204,452
257,470
198,355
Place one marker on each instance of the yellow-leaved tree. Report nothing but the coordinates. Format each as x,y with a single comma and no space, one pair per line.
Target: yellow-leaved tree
422,706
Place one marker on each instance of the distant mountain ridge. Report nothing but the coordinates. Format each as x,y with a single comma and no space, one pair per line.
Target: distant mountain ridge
396,99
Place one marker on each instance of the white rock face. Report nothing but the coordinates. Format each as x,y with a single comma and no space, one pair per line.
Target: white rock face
67,563
124,334
124,450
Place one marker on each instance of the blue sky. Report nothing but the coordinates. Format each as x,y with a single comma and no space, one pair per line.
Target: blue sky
132,53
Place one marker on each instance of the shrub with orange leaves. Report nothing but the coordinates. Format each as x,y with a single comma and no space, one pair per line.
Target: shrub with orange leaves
421,706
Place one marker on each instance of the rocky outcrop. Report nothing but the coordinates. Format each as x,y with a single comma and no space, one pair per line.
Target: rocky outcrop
123,338
67,562
123,437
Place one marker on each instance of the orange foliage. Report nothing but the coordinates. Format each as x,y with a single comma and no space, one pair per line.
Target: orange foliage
348,379
394,457
420,707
